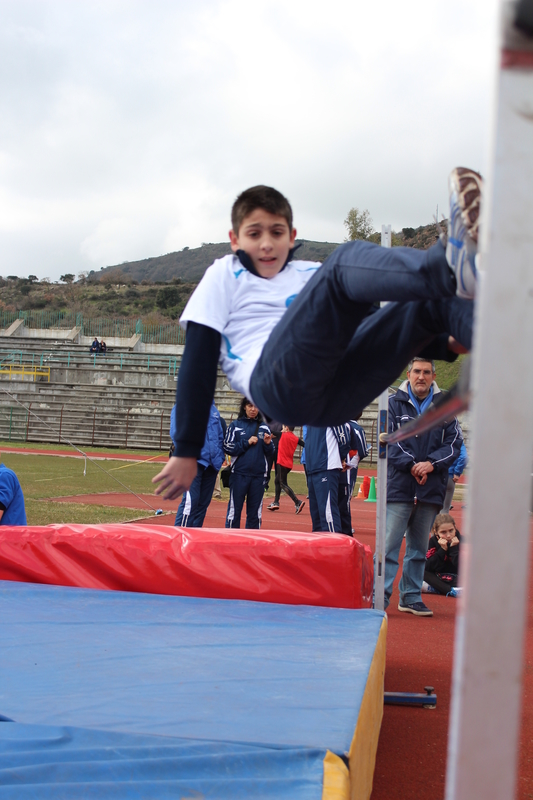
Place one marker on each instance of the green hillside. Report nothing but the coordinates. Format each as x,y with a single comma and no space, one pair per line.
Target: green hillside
190,265
154,289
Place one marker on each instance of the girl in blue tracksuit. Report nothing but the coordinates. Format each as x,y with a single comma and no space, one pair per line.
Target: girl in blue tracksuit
248,441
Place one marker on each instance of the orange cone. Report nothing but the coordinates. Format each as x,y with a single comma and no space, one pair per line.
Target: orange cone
366,486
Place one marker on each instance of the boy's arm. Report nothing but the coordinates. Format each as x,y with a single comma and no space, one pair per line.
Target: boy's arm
194,395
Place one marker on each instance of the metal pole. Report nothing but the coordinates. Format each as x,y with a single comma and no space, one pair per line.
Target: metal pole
381,455
487,679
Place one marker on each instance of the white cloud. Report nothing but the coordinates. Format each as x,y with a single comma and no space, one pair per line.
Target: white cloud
127,128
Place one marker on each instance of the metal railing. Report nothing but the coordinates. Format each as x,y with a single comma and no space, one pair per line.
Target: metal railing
13,423
11,359
48,319
7,318
102,361
25,371
122,426
101,327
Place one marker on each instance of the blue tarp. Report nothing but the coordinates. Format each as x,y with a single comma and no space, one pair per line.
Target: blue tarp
277,679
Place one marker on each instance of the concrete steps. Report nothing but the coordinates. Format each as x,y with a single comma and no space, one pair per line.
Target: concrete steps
122,399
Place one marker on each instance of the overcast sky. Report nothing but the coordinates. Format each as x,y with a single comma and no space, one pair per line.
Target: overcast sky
128,128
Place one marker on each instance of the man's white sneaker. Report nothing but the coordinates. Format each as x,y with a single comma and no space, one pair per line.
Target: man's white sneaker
463,229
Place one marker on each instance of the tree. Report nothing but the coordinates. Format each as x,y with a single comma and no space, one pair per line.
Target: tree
67,278
358,224
168,297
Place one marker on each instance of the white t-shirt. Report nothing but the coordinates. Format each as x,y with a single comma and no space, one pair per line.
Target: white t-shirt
244,309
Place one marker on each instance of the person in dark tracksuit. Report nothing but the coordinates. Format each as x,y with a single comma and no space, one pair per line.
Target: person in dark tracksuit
325,451
358,450
248,441
195,502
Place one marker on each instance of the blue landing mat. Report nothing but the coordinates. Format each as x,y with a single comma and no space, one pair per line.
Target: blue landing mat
48,762
126,695
204,669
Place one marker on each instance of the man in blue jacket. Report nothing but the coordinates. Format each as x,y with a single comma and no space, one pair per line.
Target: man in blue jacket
12,510
417,469
195,502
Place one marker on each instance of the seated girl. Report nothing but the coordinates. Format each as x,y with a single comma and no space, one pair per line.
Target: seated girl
442,557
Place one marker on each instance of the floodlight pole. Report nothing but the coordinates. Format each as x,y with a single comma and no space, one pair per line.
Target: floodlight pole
381,505
489,647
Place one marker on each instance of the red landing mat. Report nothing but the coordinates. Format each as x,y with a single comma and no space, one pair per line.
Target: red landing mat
269,566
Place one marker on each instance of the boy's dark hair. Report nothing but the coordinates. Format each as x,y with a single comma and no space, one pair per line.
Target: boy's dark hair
264,197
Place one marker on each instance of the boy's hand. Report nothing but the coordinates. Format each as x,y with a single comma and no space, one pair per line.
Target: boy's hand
267,438
443,543
252,440
454,541
176,477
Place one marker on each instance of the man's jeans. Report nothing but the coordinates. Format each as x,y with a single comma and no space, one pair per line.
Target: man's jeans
415,521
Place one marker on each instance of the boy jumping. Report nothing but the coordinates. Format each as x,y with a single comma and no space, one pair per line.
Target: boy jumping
305,340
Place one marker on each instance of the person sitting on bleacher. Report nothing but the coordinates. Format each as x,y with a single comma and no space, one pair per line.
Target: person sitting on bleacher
103,347
95,347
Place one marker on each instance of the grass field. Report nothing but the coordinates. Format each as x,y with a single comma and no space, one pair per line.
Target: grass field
15,445
46,477
43,477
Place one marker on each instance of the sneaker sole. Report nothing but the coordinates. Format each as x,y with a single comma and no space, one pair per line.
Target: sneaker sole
467,186
276,508
302,504
427,613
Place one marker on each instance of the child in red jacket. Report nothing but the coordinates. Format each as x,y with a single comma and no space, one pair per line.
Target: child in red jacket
288,443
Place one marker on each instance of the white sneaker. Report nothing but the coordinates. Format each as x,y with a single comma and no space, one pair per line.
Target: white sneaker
463,229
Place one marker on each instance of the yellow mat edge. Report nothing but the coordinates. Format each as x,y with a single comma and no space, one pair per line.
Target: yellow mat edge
362,755
336,785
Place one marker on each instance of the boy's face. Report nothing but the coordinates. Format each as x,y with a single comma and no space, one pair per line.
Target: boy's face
267,240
